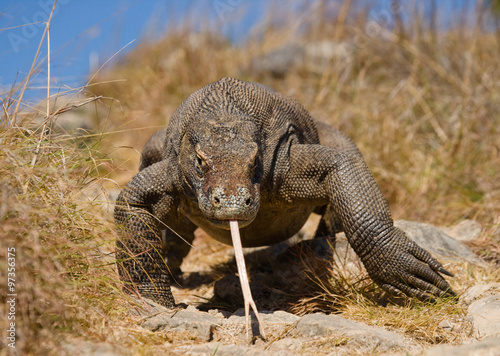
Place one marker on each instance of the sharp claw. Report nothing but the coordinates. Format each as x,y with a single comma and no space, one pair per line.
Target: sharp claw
420,289
449,293
427,299
443,271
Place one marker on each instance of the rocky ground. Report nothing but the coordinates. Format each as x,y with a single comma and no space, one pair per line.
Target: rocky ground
214,328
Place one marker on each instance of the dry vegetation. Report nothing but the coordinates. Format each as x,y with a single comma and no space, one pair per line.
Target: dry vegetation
422,106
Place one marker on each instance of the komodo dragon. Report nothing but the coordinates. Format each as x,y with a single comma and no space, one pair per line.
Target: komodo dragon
240,151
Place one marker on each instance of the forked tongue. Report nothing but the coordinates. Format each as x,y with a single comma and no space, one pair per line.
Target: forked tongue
245,286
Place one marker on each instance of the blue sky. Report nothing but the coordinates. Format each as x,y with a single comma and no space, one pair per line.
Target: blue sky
86,33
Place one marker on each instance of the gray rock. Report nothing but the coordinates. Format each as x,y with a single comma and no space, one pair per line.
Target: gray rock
280,61
287,345
275,323
198,324
488,347
277,317
437,242
216,348
368,337
485,317
467,230
314,57
480,291
146,308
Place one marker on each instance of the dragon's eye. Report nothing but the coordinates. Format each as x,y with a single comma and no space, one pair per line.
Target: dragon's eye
200,165
255,162
201,160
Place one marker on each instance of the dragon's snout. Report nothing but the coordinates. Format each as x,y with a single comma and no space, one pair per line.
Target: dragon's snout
222,204
233,203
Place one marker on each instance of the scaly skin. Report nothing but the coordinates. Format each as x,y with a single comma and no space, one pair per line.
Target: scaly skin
240,151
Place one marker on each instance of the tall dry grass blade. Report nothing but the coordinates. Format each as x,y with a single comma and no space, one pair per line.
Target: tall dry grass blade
105,63
47,114
35,59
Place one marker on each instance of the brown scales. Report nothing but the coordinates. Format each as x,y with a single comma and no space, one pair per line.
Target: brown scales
239,151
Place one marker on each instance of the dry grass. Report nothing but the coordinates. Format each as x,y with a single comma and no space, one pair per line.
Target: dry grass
422,106
423,112
57,242
63,272
54,212
344,287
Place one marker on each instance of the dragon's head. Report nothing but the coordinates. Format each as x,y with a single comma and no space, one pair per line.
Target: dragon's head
221,165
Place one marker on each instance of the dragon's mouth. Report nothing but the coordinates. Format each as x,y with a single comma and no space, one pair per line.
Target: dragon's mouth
224,223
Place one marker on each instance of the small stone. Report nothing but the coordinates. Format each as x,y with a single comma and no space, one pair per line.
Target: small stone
221,314
485,317
446,325
199,324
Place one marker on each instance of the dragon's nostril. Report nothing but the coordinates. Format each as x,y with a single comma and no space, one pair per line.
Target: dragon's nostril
248,201
216,201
